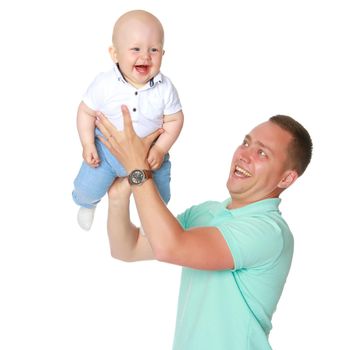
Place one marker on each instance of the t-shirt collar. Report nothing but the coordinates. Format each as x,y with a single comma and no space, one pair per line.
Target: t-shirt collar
265,205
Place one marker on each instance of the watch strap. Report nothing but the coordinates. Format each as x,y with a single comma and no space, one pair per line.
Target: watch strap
148,174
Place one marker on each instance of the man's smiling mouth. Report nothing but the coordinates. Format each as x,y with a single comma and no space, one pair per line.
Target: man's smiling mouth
242,172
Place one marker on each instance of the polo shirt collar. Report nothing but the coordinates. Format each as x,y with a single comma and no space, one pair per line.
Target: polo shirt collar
119,74
265,205
156,79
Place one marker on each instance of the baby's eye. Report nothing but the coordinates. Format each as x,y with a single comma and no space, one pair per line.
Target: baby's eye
154,49
137,49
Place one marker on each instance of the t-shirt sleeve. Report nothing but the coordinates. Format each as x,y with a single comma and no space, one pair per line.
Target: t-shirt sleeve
94,95
171,99
253,242
181,218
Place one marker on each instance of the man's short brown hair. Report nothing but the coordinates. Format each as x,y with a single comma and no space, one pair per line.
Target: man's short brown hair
300,148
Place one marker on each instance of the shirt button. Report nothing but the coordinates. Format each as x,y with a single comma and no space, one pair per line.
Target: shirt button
136,93
134,109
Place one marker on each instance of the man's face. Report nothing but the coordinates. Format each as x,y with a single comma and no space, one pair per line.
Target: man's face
259,168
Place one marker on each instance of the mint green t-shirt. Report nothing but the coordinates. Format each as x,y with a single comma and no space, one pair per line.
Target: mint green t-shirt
232,309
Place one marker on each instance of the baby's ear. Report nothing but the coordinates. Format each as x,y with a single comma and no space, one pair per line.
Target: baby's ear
289,177
113,53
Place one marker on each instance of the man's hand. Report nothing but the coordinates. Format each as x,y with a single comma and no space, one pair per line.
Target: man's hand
155,157
90,155
126,146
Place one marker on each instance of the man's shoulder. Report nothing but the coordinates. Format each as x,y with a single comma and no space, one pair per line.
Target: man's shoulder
205,209
211,204
201,213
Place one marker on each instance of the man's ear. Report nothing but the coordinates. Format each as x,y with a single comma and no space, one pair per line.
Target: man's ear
113,53
289,177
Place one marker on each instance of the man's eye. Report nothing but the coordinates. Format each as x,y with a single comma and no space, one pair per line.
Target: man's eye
245,143
262,153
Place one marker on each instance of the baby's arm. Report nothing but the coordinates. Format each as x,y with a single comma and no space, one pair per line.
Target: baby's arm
172,125
86,129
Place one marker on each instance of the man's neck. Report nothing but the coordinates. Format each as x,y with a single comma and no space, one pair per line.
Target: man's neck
239,203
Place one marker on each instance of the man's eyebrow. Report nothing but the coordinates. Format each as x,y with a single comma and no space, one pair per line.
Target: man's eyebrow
265,146
247,137
261,144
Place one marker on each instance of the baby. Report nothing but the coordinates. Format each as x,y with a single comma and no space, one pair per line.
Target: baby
135,81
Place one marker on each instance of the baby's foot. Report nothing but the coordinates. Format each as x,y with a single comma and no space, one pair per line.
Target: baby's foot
86,217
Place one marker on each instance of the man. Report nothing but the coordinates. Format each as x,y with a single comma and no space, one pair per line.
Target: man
236,254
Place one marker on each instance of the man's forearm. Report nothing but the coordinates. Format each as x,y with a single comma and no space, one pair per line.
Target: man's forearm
201,248
125,241
162,228
122,233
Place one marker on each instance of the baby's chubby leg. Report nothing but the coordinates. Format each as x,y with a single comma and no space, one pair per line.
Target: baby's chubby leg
90,186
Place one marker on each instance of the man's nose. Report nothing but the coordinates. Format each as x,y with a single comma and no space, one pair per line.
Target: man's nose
244,155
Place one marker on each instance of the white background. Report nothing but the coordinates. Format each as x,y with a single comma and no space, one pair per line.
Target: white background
235,64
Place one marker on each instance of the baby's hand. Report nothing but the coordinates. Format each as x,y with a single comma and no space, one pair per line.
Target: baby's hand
90,155
155,157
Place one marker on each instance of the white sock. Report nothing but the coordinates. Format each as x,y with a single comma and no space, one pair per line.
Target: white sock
86,217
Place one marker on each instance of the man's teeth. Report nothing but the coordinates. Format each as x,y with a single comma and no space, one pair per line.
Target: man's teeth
242,171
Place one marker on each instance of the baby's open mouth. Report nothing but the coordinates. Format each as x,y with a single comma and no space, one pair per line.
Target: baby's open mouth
142,68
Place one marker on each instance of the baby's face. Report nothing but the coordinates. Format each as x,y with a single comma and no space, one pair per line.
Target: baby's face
139,49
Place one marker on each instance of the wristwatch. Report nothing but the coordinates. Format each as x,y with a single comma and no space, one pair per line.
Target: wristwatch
138,177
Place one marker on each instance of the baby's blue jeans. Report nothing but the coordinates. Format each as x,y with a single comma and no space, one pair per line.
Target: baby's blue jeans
92,184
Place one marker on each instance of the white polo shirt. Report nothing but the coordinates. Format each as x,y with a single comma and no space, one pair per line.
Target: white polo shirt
147,105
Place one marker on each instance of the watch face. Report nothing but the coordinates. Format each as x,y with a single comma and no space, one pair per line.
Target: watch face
137,177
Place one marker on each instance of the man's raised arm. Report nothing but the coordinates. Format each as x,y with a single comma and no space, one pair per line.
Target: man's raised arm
200,248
